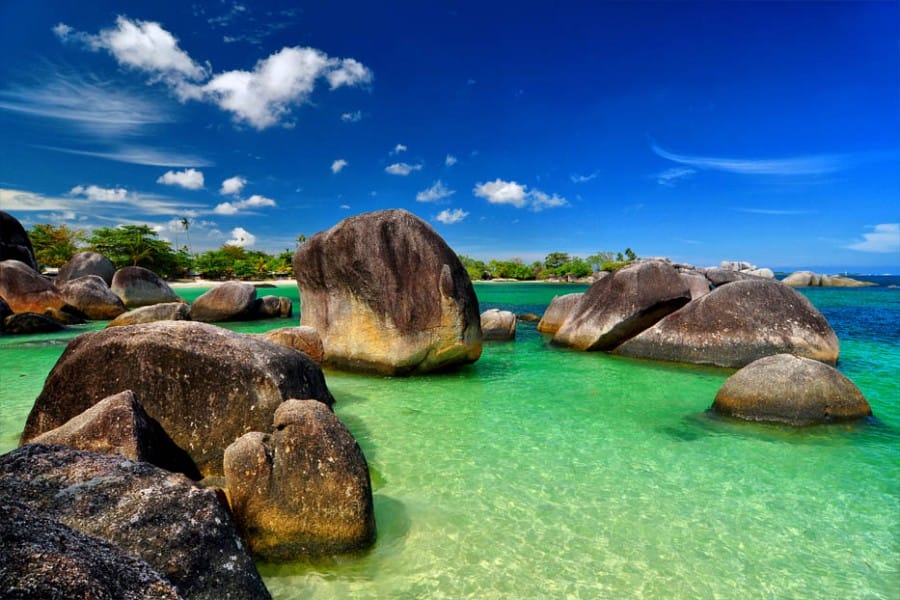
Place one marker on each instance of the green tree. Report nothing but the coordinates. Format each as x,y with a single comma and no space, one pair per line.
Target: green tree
556,259
138,245
596,260
476,269
630,256
54,245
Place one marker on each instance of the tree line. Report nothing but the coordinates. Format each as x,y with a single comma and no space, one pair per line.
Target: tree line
140,246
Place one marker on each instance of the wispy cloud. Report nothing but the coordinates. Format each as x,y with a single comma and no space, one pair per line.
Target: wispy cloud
576,178
140,155
800,165
450,216
670,177
437,192
450,160
352,117
402,168
189,179
398,149
518,195
775,211
338,165
884,238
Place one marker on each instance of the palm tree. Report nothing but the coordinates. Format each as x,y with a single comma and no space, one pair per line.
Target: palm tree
186,224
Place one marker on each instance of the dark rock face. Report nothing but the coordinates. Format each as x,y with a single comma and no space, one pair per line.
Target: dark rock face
5,311
622,305
304,490
29,322
92,297
43,558
84,264
26,290
556,313
137,287
273,307
230,301
793,390
14,242
697,283
736,324
388,295
206,386
498,325
303,338
180,529
119,425
167,311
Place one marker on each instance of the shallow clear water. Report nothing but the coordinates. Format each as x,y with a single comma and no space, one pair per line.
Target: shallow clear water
540,472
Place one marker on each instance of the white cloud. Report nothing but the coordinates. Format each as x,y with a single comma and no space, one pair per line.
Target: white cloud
95,193
502,192
437,192
345,207
233,185
670,177
398,149
352,117
582,178
261,98
540,201
241,237
800,165
139,155
402,168
450,216
231,208
20,200
190,179
450,160
884,238
510,192
338,165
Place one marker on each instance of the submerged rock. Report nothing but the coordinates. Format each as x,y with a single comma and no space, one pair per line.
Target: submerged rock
137,287
119,425
92,297
388,295
622,305
84,264
177,527
498,325
303,491
736,324
790,389
167,311
43,558
558,311
205,385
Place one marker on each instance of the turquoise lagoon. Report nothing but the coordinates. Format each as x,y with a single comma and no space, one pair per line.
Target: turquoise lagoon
541,472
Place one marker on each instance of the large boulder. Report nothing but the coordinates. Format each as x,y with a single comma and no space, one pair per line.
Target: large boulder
304,490
180,529
810,279
120,425
802,279
14,242
697,283
137,287
167,311
272,307
304,338
26,290
388,295
43,558
230,301
622,305
498,325
736,324
92,297
84,264
558,311
790,389
719,277
205,385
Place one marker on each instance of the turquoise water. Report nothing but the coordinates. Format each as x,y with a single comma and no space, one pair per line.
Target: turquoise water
541,472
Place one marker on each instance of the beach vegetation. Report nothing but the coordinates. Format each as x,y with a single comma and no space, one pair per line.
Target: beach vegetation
556,265
139,246
54,245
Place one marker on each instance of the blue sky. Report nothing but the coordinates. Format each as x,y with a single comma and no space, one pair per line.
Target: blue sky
760,131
